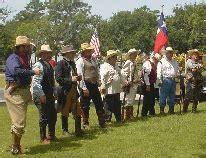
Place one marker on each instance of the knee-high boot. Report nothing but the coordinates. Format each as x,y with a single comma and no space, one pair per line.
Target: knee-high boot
65,124
101,118
185,105
78,130
127,113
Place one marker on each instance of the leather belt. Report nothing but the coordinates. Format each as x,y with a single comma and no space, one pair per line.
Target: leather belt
169,78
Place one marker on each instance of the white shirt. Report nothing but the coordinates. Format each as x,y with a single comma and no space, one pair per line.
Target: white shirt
166,68
147,67
111,78
128,70
80,69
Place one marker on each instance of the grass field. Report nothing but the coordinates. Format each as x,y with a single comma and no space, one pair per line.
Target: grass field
160,136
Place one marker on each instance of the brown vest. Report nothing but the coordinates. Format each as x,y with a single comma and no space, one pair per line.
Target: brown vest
90,72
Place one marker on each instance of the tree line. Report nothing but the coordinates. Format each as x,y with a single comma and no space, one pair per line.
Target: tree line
71,22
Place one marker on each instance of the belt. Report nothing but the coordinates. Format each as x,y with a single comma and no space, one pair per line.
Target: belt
169,78
14,84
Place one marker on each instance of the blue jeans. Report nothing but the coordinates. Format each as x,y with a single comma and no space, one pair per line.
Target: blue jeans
167,92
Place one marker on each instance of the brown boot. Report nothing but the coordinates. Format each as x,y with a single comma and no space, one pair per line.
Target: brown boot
185,105
78,130
16,147
131,113
127,113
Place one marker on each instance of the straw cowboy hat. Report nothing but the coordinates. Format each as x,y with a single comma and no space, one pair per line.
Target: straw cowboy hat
44,48
133,50
111,53
156,56
193,51
168,50
86,46
68,48
22,40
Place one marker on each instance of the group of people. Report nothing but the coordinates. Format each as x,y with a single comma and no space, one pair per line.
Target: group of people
77,83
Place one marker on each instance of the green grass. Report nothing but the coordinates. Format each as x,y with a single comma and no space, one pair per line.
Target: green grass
2,80
160,136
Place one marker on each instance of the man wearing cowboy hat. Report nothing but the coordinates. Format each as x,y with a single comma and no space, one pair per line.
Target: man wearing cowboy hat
43,95
67,77
111,80
194,80
87,67
167,71
149,71
130,73
18,78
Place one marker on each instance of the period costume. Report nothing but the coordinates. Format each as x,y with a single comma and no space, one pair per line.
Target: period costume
17,92
111,80
149,70
130,73
194,81
167,71
43,86
68,95
89,70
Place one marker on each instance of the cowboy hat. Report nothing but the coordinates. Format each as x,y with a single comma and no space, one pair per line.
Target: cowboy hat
86,46
22,40
168,50
193,51
133,50
44,48
111,53
156,56
68,48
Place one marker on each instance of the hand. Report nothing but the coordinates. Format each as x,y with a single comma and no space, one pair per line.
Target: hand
43,99
147,88
103,91
79,77
74,78
86,92
37,71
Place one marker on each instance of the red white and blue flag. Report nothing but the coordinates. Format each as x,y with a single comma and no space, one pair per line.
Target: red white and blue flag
95,42
162,35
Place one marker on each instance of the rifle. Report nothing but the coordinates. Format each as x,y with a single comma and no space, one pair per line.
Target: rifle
139,101
123,107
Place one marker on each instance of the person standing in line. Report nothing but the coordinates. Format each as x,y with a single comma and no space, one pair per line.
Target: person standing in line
167,71
87,67
130,73
67,77
17,91
43,95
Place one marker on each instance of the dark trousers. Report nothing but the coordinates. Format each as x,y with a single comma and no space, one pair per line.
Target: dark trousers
47,116
95,95
148,101
113,103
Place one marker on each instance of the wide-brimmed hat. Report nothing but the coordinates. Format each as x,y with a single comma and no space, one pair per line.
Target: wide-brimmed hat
44,48
156,56
111,53
168,50
193,51
67,48
86,46
22,40
133,50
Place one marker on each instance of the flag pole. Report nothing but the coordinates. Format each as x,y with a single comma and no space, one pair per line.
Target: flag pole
162,6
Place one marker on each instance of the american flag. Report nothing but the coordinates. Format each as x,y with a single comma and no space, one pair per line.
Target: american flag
95,42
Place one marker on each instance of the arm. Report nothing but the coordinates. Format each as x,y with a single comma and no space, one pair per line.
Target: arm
36,81
146,72
17,70
59,75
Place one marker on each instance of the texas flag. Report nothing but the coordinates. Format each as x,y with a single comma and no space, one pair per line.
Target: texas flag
162,35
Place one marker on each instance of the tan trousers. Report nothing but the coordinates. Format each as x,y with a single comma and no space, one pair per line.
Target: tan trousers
72,103
17,103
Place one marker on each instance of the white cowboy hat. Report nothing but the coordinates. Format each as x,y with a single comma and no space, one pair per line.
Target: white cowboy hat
156,56
22,40
111,53
44,48
133,50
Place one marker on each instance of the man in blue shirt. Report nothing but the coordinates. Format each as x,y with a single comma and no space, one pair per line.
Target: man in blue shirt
17,93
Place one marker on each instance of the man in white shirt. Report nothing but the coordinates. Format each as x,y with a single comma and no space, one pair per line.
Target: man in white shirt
111,84
150,77
167,71
130,73
87,67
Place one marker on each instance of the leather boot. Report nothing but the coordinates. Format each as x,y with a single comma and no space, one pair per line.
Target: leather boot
85,118
127,113
162,112
65,130
16,147
185,105
51,131
171,110
101,119
194,108
131,112
42,130
78,130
